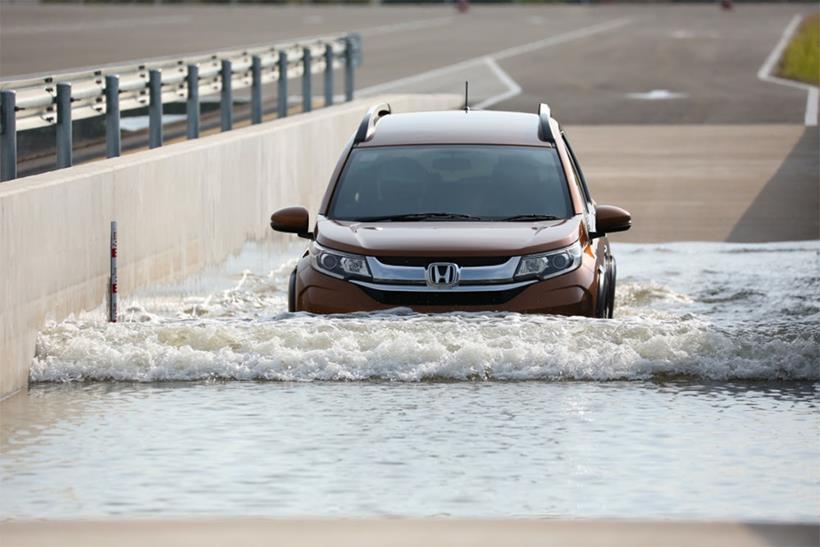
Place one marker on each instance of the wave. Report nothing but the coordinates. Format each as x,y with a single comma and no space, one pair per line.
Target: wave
405,347
686,312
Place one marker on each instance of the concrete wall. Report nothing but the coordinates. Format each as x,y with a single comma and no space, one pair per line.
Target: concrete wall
179,208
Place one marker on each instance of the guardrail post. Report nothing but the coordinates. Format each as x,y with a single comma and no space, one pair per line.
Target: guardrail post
282,92
113,147
348,68
64,141
307,92
328,75
256,89
192,108
8,137
226,110
155,109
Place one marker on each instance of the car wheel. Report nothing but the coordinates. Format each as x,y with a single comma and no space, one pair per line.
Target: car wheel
602,303
292,292
613,272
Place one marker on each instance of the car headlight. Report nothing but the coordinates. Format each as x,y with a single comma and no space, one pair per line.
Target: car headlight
551,264
337,263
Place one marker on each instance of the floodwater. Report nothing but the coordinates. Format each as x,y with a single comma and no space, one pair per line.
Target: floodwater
699,401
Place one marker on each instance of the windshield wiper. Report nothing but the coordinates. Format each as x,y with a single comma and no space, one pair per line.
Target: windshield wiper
528,217
419,216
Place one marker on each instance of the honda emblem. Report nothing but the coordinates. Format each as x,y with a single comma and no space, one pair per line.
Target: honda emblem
442,275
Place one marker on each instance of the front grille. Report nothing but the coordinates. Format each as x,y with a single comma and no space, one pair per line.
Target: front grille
460,298
424,261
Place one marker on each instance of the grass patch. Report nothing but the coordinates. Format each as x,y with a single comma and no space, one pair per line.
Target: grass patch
801,60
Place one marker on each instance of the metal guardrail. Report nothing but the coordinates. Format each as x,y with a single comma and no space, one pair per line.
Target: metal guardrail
60,99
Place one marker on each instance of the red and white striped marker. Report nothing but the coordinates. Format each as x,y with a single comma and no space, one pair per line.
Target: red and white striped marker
112,285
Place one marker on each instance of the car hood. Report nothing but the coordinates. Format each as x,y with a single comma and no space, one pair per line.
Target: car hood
447,238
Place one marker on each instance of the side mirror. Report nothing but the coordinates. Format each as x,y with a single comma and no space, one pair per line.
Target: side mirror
293,220
609,218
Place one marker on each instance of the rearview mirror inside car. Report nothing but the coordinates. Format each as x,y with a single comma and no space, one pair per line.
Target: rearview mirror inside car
293,220
609,218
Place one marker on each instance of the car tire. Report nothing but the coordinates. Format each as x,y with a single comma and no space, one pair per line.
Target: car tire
602,302
292,292
612,271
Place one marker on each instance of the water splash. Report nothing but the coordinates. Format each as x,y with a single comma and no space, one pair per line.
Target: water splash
716,318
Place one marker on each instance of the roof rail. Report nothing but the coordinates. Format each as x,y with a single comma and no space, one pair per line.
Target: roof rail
368,125
544,128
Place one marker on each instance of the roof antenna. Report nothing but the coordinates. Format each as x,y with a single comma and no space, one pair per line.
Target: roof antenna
466,96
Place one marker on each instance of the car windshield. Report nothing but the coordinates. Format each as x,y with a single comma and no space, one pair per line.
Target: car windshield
452,182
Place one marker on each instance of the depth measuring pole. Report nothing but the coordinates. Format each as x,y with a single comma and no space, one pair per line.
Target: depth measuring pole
112,286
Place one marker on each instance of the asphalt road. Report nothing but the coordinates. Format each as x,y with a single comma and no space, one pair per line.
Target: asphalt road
738,183
687,64
664,102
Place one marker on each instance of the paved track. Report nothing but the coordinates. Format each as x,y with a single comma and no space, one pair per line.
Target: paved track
584,60
742,183
701,166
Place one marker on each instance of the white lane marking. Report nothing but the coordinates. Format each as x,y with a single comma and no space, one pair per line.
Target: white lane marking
561,38
513,89
768,65
423,76
812,98
409,25
503,54
657,95
765,72
95,25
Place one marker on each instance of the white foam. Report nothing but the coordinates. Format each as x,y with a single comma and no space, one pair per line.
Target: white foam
717,329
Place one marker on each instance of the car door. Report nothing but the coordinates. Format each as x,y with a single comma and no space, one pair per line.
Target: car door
604,262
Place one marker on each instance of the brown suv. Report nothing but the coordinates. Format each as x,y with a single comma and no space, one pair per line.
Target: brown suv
461,210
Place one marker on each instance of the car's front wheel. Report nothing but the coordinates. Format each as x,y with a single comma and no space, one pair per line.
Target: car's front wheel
612,272
292,292
606,290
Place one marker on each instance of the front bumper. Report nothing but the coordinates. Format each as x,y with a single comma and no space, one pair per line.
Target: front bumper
574,293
